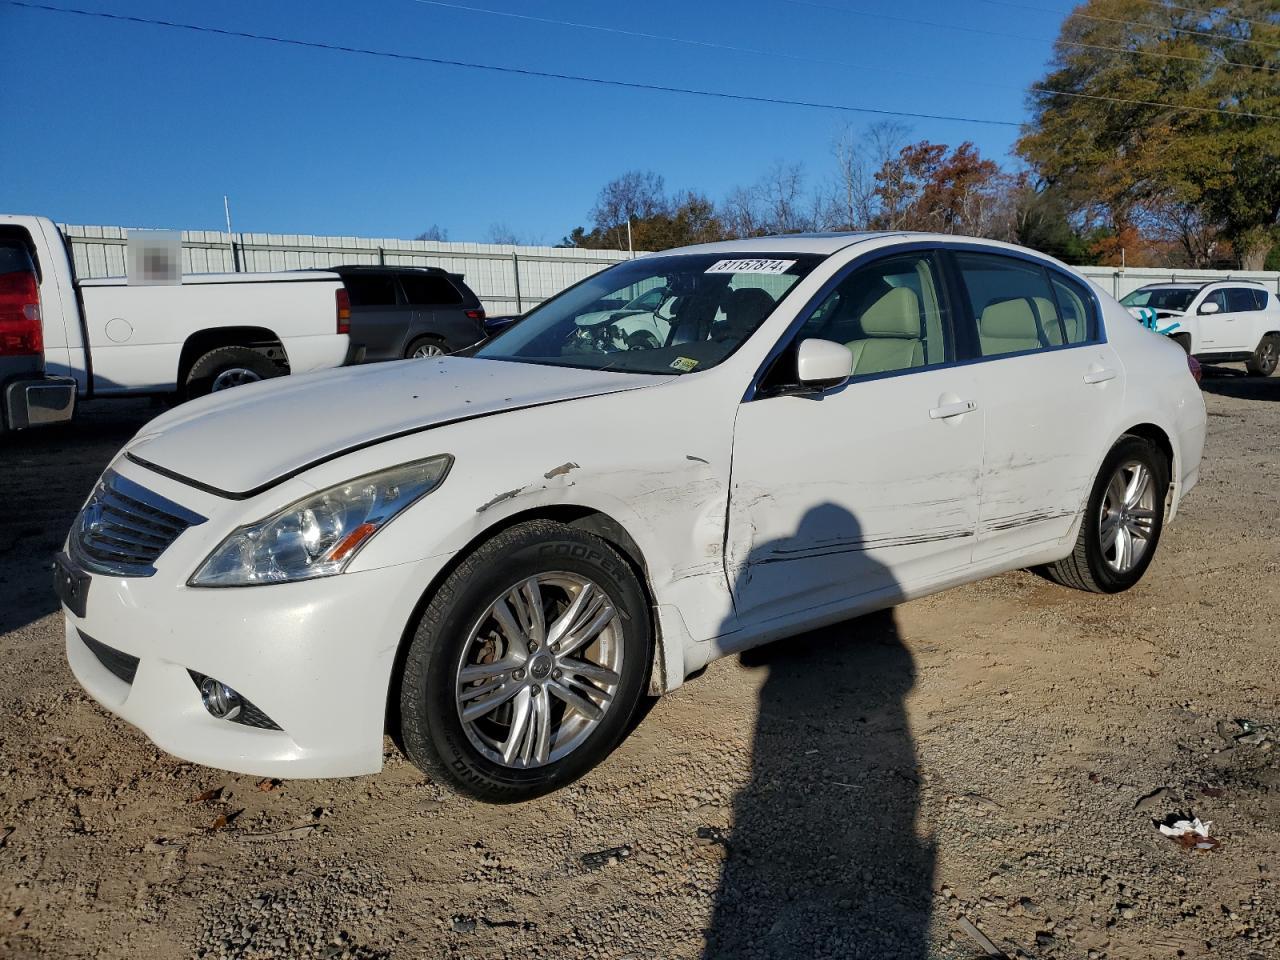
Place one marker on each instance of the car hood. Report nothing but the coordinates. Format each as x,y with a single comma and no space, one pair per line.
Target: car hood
243,441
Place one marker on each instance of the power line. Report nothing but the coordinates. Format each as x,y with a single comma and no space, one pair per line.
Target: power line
1014,36
447,4
495,68
602,81
1076,14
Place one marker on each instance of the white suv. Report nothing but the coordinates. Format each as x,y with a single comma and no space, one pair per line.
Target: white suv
1231,320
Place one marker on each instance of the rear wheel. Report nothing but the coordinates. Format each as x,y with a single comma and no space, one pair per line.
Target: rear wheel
225,367
425,347
1266,358
1122,521
527,664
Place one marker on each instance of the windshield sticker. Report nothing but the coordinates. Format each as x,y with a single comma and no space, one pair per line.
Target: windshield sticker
771,267
683,364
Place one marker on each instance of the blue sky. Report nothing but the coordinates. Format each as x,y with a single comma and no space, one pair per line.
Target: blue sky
148,126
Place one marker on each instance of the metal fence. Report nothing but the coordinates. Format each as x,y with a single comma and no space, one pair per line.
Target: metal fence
507,278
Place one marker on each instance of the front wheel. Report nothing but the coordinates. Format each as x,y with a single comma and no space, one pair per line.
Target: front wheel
527,664
1122,521
1265,358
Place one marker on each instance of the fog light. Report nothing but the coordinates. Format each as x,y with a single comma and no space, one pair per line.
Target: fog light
219,699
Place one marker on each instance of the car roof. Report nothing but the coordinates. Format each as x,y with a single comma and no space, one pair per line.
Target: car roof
384,268
1191,285
828,243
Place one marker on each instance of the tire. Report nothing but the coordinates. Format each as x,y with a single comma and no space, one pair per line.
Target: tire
1265,358
226,367
1092,565
458,628
426,347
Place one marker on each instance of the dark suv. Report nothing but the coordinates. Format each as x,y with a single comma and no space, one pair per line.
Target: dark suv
399,312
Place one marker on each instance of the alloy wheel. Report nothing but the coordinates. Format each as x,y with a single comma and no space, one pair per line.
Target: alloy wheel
539,670
427,350
1126,520
233,377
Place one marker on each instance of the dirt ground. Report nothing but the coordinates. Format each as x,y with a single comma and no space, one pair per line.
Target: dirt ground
999,753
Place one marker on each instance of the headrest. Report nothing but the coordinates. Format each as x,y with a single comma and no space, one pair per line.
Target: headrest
896,314
747,306
1011,319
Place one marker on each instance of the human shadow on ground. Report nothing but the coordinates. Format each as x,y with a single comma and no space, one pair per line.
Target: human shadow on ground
823,855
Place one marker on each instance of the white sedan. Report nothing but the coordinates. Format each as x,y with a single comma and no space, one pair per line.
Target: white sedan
498,556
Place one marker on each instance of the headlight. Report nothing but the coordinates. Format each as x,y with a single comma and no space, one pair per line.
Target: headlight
318,536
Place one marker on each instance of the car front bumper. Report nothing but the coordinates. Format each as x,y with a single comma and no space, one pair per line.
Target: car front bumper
315,657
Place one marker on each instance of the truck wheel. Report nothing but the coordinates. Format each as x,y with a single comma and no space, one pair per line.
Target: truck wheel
527,665
1266,358
1122,521
226,367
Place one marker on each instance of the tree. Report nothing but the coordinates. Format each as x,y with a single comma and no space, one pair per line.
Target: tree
774,204
1125,134
657,221
853,201
434,232
929,186
502,233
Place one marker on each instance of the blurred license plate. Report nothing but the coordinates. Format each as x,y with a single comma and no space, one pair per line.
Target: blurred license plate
70,584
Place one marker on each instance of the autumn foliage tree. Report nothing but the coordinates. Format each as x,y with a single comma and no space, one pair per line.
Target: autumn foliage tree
1166,116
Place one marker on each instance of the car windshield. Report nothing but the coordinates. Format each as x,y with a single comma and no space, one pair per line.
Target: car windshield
1161,298
657,314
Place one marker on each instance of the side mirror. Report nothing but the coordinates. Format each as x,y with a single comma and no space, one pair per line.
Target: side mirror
1209,306
823,364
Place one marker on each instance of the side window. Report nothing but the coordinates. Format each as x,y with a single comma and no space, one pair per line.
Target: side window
1075,306
1240,300
1012,303
1259,299
428,289
891,315
1219,297
370,289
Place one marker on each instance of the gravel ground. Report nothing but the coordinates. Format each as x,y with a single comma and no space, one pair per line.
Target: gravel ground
999,753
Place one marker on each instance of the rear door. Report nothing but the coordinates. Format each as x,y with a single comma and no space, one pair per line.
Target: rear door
1242,318
438,311
380,320
1049,384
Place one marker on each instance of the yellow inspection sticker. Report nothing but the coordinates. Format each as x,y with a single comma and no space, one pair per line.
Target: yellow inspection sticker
683,364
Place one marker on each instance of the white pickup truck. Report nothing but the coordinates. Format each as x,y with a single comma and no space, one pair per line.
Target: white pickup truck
1219,322
106,337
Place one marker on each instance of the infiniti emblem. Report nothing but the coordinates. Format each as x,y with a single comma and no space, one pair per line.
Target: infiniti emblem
540,668
91,519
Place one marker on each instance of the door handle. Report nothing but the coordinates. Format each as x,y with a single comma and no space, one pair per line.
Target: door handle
1099,375
954,409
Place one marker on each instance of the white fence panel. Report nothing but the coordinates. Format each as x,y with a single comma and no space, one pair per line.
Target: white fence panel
508,279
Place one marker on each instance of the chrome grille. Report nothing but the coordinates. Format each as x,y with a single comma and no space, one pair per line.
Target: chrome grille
125,527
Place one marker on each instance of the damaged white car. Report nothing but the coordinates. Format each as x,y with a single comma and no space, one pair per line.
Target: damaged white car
496,557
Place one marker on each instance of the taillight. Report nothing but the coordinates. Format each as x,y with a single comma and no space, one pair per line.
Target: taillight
20,333
344,311
476,314
1194,366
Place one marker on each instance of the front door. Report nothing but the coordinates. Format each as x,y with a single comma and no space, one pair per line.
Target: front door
870,488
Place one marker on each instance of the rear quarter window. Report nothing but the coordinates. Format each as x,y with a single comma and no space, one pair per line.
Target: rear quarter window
425,289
